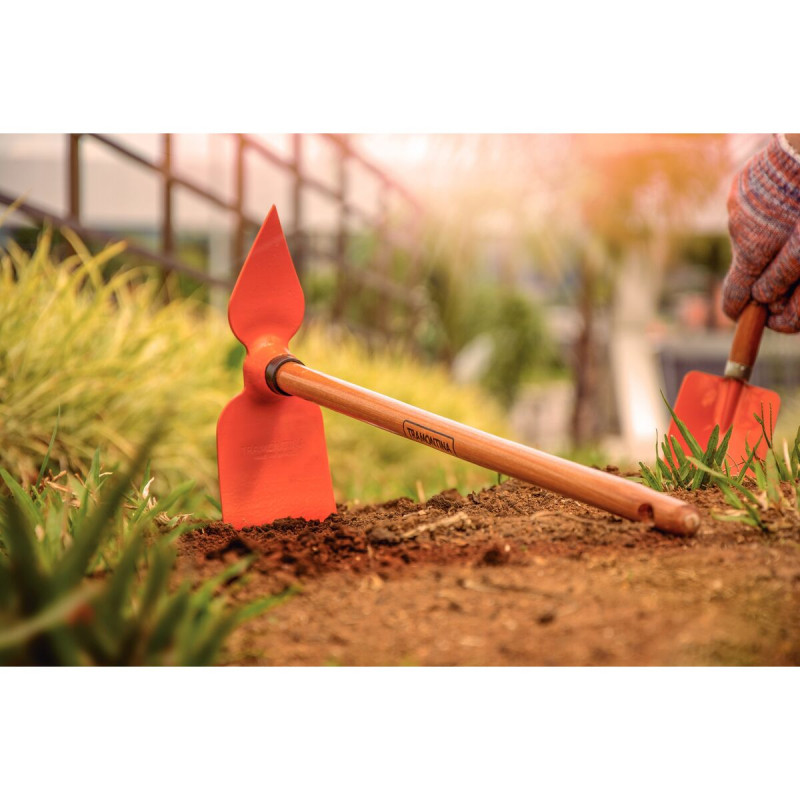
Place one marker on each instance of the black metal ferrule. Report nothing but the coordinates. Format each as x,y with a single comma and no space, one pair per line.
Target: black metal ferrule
271,372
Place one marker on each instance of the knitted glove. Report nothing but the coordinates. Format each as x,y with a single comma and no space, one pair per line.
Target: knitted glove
764,225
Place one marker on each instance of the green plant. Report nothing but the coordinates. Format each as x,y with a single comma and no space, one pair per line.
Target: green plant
462,310
677,471
85,574
751,488
776,480
113,355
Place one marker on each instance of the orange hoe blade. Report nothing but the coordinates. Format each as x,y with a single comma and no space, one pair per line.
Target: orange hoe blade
705,401
271,450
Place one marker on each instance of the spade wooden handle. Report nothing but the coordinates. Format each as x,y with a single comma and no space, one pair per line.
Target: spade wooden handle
600,489
746,341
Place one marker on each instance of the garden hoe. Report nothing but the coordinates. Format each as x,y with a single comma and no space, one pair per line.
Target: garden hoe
273,462
705,401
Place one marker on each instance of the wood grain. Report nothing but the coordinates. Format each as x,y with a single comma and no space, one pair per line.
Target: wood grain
600,489
747,339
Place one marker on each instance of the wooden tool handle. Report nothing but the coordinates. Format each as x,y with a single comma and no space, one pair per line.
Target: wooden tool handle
600,489
746,341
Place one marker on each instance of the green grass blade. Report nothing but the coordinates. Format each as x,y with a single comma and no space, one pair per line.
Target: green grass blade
694,446
730,496
708,458
46,461
6,594
23,500
748,464
722,450
204,594
23,560
88,538
649,478
204,650
157,579
166,625
674,471
684,467
120,583
761,478
773,482
664,472
727,481
56,613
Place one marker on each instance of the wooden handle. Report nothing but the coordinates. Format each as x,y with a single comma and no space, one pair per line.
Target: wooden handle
746,341
600,489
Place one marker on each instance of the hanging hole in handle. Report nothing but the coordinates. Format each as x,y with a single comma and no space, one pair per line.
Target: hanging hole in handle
646,513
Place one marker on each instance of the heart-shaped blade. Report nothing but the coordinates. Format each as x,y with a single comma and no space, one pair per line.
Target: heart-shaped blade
267,299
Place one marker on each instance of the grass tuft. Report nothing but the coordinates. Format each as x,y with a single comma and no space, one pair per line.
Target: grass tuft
751,489
86,575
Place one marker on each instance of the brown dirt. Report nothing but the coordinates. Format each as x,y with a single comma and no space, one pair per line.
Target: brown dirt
513,575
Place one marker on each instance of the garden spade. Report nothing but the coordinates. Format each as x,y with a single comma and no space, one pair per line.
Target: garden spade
705,401
273,462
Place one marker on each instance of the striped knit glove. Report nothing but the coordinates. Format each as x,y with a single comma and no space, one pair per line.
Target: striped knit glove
764,224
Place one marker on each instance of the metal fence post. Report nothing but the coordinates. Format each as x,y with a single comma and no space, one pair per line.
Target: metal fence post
167,236
343,285
74,177
239,235
298,234
383,260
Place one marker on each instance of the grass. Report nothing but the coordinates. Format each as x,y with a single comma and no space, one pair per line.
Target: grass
675,470
107,357
86,576
751,489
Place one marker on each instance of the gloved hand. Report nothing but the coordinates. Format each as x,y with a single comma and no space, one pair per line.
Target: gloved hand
764,225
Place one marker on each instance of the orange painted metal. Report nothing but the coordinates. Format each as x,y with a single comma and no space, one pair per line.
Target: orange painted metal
271,450
705,400
271,447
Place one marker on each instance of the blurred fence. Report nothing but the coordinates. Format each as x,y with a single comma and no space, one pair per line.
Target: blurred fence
392,225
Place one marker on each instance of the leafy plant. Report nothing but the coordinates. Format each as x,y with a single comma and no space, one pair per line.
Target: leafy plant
510,321
85,574
111,354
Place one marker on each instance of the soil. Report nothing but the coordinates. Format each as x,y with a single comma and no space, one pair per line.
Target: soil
513,575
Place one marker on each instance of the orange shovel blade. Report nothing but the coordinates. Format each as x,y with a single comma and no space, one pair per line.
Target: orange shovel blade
705,401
